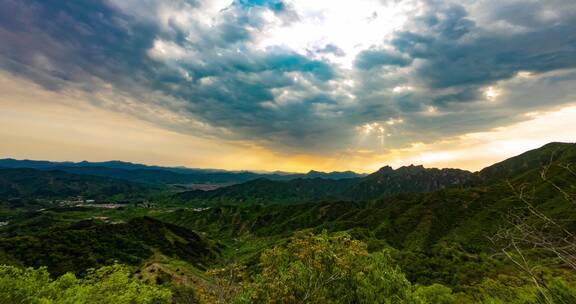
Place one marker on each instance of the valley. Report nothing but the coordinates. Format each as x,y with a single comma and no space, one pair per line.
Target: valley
443,228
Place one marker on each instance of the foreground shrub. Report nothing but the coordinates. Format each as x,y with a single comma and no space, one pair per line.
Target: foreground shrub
327,269
110,284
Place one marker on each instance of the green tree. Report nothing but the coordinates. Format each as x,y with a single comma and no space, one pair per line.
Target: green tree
225,285
435,294
327,269
110,284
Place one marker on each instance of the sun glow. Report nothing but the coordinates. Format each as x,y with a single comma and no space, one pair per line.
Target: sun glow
402,89
324,22
373,127
492,93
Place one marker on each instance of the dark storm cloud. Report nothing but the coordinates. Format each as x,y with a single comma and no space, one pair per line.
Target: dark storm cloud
69,43
53,42
160,53
457,53
370,59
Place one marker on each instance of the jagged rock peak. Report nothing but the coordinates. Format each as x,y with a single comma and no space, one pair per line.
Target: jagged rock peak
385,169
411,169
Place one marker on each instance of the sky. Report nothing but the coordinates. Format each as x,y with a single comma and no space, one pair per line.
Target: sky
290,85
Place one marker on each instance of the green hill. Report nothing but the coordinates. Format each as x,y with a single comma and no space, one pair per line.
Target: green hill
549,154
92,243
448,229
29,184
437,225
408,220
264,191
408,179
383,183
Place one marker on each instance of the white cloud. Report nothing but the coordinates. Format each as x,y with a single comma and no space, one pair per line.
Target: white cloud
167,51
349,26
474,151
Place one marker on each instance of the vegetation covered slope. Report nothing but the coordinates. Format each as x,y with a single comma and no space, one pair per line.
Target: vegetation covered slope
407,179
109,284
53,184
92,243
438,246
549,154
385,182
264,191
417,221
449,230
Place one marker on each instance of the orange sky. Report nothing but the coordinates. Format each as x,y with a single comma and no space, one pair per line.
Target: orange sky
41,124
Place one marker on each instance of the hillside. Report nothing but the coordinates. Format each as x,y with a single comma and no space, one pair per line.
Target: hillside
53,184
407,179
401,217
91,243
436,225
264,191
552,153
385,182
448,229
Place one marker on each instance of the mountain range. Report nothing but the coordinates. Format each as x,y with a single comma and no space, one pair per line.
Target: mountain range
113,178
164,175
384,182
446,229
437,225
29,184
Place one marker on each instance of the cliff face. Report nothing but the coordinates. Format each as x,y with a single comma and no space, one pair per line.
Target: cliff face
388,181
384,182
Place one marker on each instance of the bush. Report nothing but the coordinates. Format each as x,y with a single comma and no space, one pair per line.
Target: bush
327,269
110,284
435,294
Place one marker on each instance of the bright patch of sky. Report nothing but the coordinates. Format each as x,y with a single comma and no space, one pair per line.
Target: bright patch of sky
350,28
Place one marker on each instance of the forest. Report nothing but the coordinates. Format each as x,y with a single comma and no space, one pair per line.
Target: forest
504,234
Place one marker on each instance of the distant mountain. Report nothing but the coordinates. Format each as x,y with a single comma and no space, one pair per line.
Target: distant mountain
408,179
330,175
52,184
269,191
163,175
438,236
113,164
384,182
462,216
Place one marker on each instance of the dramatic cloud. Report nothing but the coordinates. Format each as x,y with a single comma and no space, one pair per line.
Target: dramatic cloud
302,76
370,59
